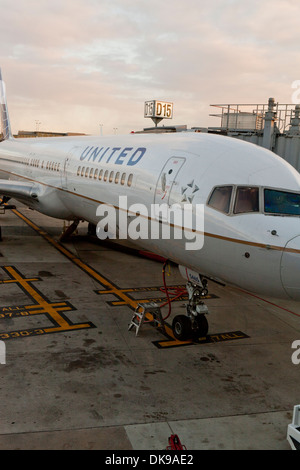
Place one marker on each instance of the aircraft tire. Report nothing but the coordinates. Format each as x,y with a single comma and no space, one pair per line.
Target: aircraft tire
200,327
182,328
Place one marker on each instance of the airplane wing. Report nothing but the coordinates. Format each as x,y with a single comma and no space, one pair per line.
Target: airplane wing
24,192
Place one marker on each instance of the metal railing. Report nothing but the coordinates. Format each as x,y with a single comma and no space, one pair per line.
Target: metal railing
232,115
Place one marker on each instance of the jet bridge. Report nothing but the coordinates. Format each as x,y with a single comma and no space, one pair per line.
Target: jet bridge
274,126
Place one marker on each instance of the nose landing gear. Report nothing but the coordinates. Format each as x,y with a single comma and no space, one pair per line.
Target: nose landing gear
194,324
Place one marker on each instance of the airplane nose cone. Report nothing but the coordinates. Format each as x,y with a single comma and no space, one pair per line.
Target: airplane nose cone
290,268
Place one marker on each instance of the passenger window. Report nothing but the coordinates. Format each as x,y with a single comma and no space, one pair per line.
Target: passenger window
247,200
96,173
123,178
86,172
82,171
78,170
129,181
220,198
92,173
100,175
111,176
105,175
117,178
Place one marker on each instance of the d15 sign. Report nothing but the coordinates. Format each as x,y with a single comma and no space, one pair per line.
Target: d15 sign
158,109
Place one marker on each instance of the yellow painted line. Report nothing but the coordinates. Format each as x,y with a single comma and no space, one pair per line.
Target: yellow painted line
41,309
60,328
120,303
31,310
43,304
8,281
37,297
133,289
56,305
109,291
168,344
113,289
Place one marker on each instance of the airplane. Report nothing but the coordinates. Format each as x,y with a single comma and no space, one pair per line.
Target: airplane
250,196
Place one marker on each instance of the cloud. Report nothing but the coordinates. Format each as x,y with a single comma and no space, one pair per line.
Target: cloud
74,65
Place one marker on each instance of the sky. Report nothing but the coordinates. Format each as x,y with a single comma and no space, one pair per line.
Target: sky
89,65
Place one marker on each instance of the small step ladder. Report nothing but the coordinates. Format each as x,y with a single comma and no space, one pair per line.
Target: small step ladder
4,207
140,314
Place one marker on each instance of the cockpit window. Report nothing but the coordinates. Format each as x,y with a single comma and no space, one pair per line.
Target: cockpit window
220,198
282,202
247,200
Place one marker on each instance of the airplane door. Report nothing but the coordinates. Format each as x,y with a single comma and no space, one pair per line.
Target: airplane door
64,180
166,182
64,173
290,268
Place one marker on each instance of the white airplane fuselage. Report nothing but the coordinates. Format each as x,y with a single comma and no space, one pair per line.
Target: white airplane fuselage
256,251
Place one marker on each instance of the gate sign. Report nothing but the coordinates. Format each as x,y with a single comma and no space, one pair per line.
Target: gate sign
158,110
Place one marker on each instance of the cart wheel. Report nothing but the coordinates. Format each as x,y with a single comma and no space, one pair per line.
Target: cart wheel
182,328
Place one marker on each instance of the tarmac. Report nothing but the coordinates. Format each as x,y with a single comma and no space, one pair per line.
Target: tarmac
75,377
